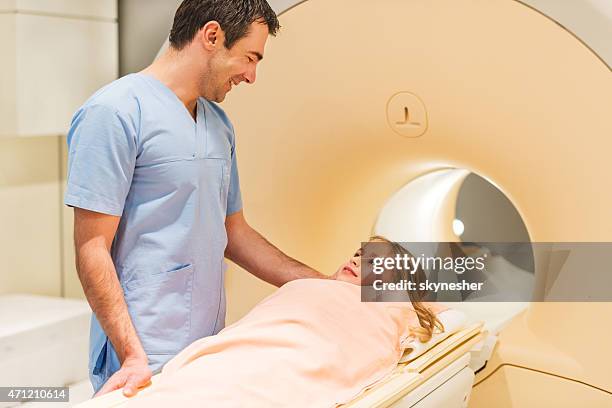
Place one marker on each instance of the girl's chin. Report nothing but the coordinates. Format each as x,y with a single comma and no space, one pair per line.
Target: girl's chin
348,278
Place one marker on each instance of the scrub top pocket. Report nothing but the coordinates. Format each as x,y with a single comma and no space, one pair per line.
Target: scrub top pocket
160,307
216,176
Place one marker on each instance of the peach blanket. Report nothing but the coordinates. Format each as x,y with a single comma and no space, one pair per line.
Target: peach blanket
312,343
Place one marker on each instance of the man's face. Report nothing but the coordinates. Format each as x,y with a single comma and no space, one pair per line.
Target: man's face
229,67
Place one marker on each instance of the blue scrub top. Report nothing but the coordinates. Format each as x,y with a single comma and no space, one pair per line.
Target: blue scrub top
136,152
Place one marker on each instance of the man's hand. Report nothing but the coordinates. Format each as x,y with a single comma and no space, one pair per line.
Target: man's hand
133,374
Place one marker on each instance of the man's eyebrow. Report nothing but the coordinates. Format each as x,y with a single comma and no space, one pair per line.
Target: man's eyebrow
258,55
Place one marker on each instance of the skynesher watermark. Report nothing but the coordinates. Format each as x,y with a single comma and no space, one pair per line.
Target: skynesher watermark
486,271
406,285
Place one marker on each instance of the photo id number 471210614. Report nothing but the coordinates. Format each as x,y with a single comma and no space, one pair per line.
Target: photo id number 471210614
34,394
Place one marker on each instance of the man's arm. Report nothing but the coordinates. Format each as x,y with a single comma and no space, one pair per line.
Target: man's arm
93,236
250,250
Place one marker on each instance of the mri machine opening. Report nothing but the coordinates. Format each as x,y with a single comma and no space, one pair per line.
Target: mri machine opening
457,206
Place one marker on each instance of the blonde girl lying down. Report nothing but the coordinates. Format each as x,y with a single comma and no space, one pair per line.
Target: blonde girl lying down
312,343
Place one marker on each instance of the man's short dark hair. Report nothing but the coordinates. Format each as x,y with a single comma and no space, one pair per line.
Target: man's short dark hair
234,17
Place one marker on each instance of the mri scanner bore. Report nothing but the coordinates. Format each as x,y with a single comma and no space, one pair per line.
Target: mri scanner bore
494,241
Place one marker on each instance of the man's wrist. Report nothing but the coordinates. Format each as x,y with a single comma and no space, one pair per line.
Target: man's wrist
132,353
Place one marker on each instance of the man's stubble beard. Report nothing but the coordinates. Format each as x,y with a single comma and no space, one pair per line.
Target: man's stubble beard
211,92
211,88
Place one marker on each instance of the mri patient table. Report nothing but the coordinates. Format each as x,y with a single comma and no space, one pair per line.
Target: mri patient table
440,376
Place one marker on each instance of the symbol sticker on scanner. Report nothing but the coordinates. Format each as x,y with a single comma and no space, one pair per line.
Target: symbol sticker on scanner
406,115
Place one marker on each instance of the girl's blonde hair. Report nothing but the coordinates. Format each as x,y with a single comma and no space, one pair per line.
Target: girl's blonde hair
427,319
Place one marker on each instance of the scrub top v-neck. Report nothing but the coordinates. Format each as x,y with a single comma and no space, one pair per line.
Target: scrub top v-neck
136,152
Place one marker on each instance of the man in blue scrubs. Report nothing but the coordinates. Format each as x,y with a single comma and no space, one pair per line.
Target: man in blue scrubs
153,180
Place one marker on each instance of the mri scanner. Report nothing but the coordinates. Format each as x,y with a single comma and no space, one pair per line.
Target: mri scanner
358,101
369,117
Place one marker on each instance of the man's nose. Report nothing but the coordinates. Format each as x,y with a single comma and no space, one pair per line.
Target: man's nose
250,75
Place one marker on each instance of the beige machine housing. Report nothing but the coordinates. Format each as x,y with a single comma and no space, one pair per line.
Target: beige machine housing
496,87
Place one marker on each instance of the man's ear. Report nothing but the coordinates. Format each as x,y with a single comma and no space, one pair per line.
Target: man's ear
211,35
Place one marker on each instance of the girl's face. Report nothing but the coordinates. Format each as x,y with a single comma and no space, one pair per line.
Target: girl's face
350,271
